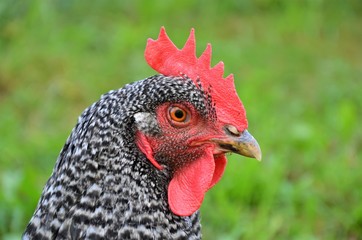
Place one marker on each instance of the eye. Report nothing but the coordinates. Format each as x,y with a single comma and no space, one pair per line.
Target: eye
178,115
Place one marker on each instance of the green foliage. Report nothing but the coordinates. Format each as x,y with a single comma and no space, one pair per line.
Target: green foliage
297,66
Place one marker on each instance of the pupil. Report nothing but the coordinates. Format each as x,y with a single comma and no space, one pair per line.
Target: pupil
179,114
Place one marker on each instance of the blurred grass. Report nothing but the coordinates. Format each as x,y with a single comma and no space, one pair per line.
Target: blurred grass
298,68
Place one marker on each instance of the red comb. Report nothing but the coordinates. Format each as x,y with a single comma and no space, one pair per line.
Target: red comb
163,56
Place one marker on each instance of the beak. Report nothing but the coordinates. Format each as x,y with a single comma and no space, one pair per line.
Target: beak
243,144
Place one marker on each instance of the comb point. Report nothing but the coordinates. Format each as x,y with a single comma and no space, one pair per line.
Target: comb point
230,78
189,48
162,32
205,58
219,68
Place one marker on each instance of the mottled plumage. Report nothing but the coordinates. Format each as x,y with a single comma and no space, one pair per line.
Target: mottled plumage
102,185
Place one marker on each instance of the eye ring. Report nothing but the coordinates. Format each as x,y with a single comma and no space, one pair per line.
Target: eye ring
178,116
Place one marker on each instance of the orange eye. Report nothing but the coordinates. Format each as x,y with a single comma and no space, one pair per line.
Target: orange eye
178,114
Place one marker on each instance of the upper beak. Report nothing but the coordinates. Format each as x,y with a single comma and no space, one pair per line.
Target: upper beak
243,144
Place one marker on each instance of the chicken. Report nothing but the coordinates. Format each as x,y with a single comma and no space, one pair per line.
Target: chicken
139,161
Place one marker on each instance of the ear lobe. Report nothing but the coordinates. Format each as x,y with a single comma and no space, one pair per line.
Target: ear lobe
146,123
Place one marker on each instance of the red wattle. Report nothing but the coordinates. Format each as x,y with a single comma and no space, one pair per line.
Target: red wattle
187,188
220,164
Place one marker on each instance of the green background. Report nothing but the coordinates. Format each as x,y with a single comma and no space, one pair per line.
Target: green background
297,66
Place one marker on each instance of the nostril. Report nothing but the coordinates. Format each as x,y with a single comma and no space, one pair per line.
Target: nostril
232,130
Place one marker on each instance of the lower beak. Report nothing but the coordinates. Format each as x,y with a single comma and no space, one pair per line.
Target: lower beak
245,145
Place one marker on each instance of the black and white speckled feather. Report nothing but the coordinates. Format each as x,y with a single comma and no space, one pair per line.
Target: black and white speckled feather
102,186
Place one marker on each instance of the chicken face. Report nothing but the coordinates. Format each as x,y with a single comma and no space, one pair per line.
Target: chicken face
191,145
